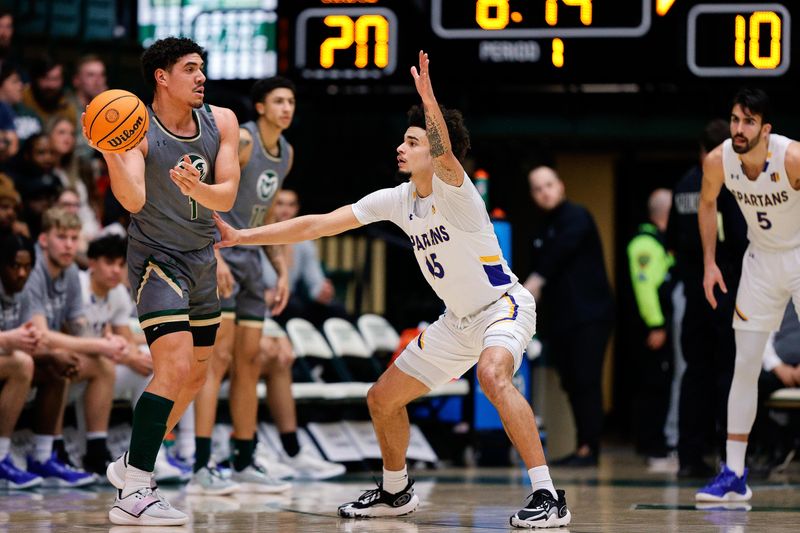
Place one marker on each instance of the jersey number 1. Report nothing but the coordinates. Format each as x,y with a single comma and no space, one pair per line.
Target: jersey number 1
193,208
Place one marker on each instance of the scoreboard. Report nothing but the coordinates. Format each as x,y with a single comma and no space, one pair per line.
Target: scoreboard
540,41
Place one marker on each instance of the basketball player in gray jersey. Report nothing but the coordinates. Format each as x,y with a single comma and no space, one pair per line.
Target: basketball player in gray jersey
265,158
185,168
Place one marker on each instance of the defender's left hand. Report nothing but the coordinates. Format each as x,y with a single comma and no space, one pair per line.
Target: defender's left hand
422,79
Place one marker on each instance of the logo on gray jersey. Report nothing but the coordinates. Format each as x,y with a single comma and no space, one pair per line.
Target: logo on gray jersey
198,162
267,185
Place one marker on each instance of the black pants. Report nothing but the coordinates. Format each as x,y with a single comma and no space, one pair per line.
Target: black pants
654,386
578,356
709,350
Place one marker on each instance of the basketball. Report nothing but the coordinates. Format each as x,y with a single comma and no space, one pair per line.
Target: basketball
116,120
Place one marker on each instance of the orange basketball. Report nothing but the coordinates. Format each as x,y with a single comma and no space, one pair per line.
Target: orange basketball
116,120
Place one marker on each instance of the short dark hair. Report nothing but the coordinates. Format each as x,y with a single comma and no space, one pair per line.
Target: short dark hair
41,65
714,134
110,246
453,119
10,244
755,101
164,53
8,69
262,88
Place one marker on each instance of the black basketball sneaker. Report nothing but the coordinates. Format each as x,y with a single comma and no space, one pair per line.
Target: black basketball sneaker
542,510
378,502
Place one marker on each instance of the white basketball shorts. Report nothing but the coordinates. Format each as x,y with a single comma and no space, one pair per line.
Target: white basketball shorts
769,280
451,345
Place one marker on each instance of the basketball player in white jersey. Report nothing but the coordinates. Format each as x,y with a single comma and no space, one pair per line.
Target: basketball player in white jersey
762,170
489,319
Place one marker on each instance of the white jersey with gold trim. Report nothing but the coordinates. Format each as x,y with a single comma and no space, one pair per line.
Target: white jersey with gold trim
769,204
453,240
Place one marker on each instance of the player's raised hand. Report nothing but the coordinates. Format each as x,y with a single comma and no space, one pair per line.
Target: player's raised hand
712,278
185,176
422,78
227,235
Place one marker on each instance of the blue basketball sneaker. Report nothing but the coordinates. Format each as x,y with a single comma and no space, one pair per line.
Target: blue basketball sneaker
12,477
726,487
57,474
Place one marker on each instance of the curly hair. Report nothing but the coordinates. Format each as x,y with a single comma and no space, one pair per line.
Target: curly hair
164,53
456,130
262,88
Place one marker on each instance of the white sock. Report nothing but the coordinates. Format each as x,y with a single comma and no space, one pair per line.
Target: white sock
96,435
394,482
5,447
135,479
734,453
540,479
42,447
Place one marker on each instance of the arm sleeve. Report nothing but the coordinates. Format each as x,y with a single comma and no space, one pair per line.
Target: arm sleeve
37,293
121,305
310,268
644,254
380,205
75,309
570,236
268,271
462,206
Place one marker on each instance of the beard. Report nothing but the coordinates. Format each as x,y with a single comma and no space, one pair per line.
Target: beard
750,144
47,98
402,177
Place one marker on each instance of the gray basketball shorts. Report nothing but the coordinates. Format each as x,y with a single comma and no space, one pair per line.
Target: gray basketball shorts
175,291
246,304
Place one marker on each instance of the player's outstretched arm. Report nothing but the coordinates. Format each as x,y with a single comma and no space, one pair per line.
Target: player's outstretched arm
445,163
305,228
126,174
713,180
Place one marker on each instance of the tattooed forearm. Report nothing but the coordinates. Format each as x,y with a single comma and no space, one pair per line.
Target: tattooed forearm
438,147
276,254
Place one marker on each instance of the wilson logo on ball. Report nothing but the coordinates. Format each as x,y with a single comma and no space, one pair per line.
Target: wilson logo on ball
120,139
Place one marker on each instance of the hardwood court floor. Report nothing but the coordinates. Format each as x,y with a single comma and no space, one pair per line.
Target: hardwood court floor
617,497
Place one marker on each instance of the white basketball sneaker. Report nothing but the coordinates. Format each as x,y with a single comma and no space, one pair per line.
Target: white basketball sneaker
255,479
145,508
308,466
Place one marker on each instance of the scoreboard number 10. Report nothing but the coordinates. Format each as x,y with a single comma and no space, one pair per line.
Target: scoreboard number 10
758,18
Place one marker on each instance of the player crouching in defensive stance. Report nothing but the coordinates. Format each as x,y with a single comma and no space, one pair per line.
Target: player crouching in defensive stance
454,243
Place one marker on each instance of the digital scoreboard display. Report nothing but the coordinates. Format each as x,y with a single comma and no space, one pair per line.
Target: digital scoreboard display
238,35
574,41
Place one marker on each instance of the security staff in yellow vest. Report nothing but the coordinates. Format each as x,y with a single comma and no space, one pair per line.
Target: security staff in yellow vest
650,265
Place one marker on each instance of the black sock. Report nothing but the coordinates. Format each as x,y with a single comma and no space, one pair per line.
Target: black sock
202,452
97,452
61,451
149,425
243,453
290,444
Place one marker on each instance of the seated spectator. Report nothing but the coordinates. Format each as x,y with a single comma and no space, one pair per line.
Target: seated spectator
9,203
18,340
53,369
9,142
34,179
72,172
6,35
45,94
312,294
780,369
26,121
88,81
55,293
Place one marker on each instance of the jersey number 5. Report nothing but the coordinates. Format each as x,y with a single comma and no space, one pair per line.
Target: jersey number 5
763,221
436,268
